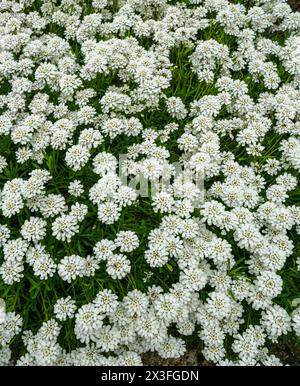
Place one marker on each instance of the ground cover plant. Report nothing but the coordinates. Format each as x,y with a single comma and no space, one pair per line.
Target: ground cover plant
149,180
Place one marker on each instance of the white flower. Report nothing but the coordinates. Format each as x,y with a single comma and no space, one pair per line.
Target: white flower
15,249
44,267
130,358
88,322
103,249
176,108
4,234
248,344
65,227
106,301
108,212
118,266
219,305
269,284
166,307
156,256
171,348
104,162
136,303
77,156
296,321
70,267
79,211
11,326
108,338
163,202
64,308
34,229
52,205
3,163
127,241
46,353
276,321
11,204
75,188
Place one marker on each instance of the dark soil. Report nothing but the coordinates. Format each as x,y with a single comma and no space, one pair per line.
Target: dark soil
190,358
295,4
288,351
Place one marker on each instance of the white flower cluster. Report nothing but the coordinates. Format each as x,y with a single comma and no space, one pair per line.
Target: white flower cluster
95,87
10,326
118,265
109,193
